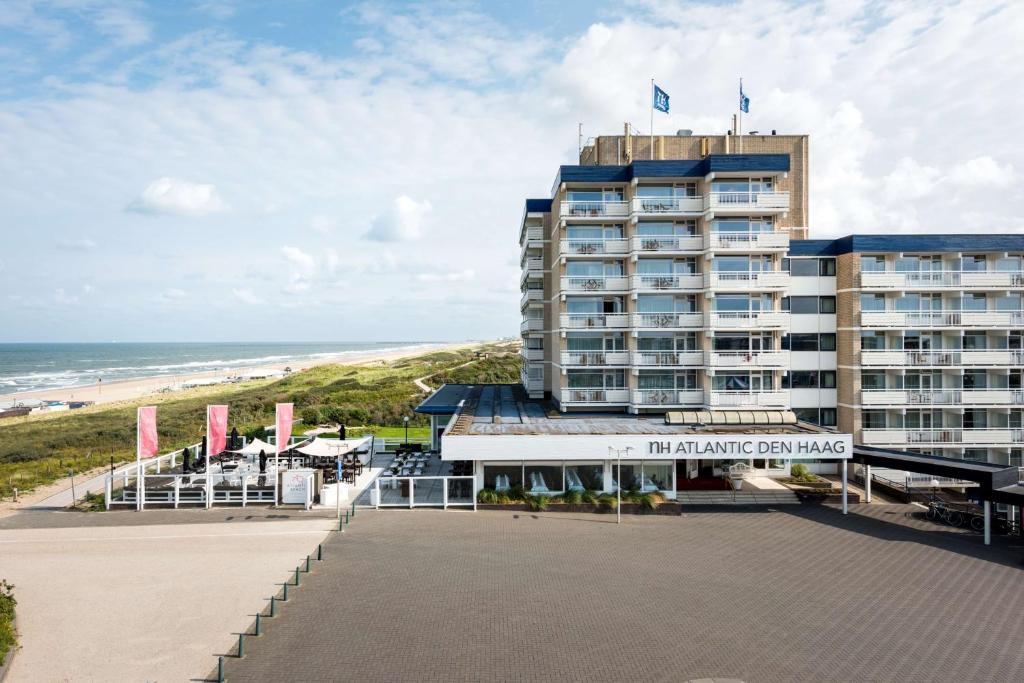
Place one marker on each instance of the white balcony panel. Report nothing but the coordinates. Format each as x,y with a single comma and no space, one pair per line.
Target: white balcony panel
748,359
987,319
749,399
593,247
595,397
532,354
531,325
583,210
747,281
663,359
534,234
942,280
668,398
531,296
744,202
533,386
594,321
595,358
660,244
942,436
992,397
747,241
668,206
595,284
747,320
661,321
661,283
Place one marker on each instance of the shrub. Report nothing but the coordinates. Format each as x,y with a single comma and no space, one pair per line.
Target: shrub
607,501
588,497
487,496
310,416
572,497
800,472
7,603
537,503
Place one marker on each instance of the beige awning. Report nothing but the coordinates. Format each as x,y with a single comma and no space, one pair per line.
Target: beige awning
731,417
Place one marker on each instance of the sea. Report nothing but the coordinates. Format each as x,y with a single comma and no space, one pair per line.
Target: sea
32,367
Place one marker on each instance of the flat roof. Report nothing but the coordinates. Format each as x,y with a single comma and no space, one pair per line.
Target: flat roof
925,242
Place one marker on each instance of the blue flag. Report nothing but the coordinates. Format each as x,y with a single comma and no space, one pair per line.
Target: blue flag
660,100
744,101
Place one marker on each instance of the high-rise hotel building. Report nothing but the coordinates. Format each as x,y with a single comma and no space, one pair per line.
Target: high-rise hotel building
683,278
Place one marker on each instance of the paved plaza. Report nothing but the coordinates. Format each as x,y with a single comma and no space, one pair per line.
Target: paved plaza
797,593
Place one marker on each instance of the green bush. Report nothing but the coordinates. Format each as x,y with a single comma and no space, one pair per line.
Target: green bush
572,497
7,603
607,501
310,416
489,496
800,472
537,503
589,497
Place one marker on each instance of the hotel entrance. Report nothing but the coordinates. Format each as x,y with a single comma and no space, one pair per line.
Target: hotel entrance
713,474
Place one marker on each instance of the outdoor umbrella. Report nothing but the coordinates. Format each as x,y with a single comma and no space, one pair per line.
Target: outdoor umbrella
184,460
341,432
263,461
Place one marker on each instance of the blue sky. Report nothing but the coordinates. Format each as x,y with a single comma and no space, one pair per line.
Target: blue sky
311,170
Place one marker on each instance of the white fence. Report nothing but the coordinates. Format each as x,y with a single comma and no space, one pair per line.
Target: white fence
411,492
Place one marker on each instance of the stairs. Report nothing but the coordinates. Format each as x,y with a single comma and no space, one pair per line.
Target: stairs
786,497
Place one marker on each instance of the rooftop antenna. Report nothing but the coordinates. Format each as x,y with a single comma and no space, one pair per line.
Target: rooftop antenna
579,142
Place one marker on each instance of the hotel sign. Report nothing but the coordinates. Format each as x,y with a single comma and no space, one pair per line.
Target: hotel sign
783,446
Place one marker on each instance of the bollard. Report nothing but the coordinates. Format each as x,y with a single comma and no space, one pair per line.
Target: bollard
285,596
319,552
353,508
220,670
307,564
241,645
296,576
259,631
273,605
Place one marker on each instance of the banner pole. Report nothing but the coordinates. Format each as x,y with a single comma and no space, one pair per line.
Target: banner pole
277,450
652,119
139,489
209,475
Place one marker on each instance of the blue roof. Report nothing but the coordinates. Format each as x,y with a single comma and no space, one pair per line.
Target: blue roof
812,247
679,168
926,242
538,205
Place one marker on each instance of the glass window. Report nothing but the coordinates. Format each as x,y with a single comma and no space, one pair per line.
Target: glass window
803,304
872,340
657,476
827,304
827,341
655,303
827,379
503,477
803,379
803,267
974,302
872,264
827,267
803,342
655,379
584,477
542,478
1011,302
872,302
873,419
732,302
973,264
807,415
872,379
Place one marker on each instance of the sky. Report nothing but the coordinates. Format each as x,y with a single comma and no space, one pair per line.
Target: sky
212,171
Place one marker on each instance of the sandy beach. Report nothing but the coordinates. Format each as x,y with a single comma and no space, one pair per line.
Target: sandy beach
130,389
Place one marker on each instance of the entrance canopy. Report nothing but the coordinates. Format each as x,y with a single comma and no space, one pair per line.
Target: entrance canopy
334,448
255,446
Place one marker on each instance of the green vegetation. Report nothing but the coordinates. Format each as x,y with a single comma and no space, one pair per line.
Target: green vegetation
35,451
604,501
7,603
799,472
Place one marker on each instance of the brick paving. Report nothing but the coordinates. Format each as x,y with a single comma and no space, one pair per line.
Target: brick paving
799,593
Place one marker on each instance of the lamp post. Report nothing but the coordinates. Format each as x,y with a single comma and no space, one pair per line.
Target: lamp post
406,419
618,480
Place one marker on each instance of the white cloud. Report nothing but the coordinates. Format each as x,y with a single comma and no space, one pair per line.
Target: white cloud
303,261
246,296
178,197
983,171
83,244
323,225
402,223
173,294
453,276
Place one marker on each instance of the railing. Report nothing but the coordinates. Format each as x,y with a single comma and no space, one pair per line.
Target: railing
587,321
776,239
176,490
657,243
597,209
746,280
950,357
667,320
733,320
668,358
942,318
668,205
411,492
600,396
744,359
595,284
531,354
747,201
950,435
531,295
595,358
531,325
578,247
939,279
668,397
534,264
749,399
533,233
969,397
667,282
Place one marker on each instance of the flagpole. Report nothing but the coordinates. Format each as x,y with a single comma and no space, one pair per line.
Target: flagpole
739,123
209,475
652,119
139,489
277,452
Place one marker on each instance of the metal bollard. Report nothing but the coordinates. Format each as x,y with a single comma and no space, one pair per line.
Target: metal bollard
241,645
307,564
259,631
353,508
220,670
319,552
285,596
273,605
296,576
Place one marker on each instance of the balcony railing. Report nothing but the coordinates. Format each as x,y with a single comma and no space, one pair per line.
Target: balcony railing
594,209
748,359
668,397
993,319
531,296
942,436
765,202
595,358
532,354
746,241
667,282
667,320
743,281
531,325
948,397
577,247
595,396
745,320
749,399
533,233
662,206
595,284
668,359
942,279
658,243
587,321
944,358
532,384
534,263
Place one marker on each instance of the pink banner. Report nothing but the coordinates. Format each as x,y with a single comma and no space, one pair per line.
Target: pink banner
283,434
147,445
217,423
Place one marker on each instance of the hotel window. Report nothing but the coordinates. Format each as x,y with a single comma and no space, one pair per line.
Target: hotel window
801,304
980,454
584,476
542,478
826,304
535,343
1011,302
827,341
872,341
674,190
800,342
872,379
973,302
753,224
742,381
972,264
873,419
803,267
644,477
503,477
1008,264
872,264
741,264
828,267
975,379
593,232
666,228
608,194
803,379
872,302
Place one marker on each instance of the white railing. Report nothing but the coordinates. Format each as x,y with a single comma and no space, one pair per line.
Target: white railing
950,357
667,320
668,358
411,492
531,325
968,397
598,396
598,209
578,247
747,201
667,281
595,284
749,399
668,205
533,264
595,358
587,321
940,279
533,233
668,397
532,354
533,384
660,243
951,435
531,295
743,320
745,359
995,319
748,280
776,239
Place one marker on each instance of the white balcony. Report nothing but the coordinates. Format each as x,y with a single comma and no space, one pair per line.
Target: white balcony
942,397
535,296
667,244
594,321
662,321
747,320
533,385
747,241
942,437
591,210
534,263
746,281
933,319
668,398
595,284
723,203
751,400
595,358
532,237
668,359
748,359
667,282
531,354
595,397
942,279
945,358
531,325
593,247
668,206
